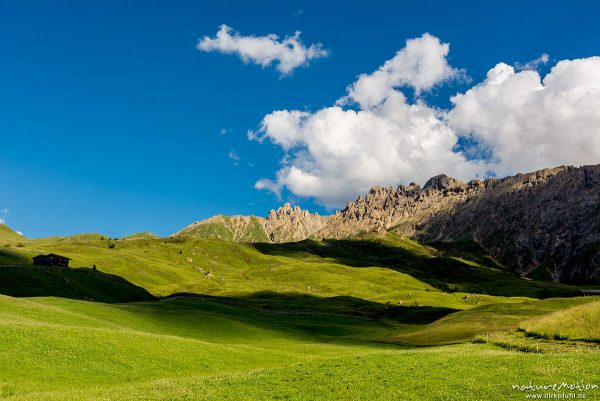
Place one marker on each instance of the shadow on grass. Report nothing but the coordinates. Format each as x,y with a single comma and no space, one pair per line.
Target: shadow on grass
308,317
81,283
444,270
298,314
340,306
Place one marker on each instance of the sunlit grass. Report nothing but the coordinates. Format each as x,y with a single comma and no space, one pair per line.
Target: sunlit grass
580,322
208,266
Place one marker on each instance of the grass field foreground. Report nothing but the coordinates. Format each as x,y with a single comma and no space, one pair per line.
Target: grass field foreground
194,349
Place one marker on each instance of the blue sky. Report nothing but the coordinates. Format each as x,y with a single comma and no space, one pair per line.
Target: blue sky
111,119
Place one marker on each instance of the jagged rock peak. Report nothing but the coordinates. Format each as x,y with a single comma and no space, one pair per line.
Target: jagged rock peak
286,212
292,224
442,182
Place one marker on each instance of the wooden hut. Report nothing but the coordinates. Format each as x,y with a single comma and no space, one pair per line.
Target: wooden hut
51,260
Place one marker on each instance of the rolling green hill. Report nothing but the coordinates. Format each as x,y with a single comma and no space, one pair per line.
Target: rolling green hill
390,269
467,325
142,235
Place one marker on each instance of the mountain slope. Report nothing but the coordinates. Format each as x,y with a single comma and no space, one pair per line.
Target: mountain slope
547,220
543,224
7,234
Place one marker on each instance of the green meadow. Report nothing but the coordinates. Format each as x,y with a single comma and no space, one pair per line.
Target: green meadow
375,318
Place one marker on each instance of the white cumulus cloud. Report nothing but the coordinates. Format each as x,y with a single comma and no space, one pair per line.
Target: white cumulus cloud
288,53
421,65
531,123
519,120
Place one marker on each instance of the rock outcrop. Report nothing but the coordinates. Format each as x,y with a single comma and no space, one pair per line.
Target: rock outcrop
286,224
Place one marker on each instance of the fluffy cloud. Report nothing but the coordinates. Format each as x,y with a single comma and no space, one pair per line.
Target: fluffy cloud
531,123
421,65
2,220
340,153
512,121
288,53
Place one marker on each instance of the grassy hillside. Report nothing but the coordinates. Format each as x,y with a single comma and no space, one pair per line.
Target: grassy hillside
581,322
8,235
377,268
142,235
208,349
449,271
396,270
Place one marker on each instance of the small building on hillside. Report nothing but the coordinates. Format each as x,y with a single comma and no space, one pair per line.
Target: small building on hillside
589,292
51,260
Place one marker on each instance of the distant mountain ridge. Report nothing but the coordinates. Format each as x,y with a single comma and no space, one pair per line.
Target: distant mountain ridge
546,221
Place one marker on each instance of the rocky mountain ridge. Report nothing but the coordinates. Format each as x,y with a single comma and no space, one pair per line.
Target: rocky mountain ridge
548,220
286,224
